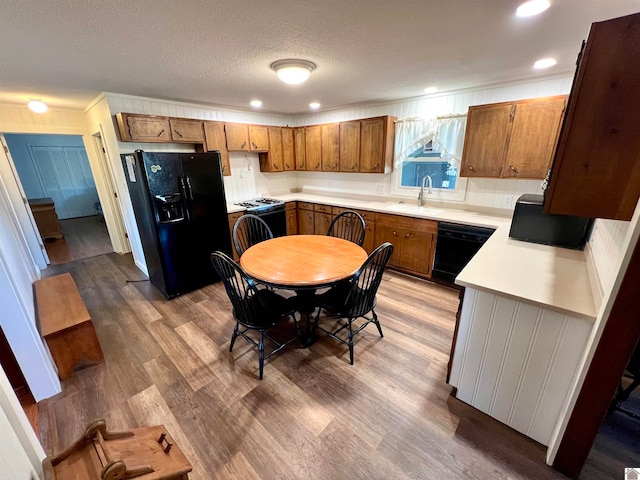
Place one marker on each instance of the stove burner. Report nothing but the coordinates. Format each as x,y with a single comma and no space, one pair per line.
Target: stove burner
260,204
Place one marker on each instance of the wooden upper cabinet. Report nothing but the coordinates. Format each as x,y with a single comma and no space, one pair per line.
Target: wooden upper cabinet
313,147
237,137
485,140
272,161
512,139
300,148
534,134
596,168
143,128
376,144
350,146
258,138
186,131
330,147
215,140
288,149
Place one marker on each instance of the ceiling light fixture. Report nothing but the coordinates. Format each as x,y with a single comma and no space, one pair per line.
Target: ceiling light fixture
37,106
314,105
531,8
293,71
429,90
544,63
256,103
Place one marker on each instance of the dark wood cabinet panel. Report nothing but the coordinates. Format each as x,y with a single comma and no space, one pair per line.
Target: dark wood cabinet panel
288,149
272,161
300,148
143,128
186,131
237,137
305,221
376,144
258,138
313,147
350,146
215,139
512,139
596,167
330,147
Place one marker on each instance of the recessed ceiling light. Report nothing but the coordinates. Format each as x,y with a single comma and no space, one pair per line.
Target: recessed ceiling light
544,63
531,8
314,105
293,71
430,90
256,103
37,106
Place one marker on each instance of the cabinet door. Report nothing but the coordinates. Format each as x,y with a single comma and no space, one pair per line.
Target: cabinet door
216,140
596,169
258,138
376,144
369,241
321,222
233,218
292,222
485,140
416,253
189,131
305,222
288,149
385,232
350,146
313,147
330,147
237,137
534,133
143,128
300,148
271,161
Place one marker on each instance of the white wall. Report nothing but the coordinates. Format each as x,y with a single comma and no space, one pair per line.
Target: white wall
20,452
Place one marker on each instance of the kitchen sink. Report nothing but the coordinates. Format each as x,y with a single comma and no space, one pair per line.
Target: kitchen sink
414,209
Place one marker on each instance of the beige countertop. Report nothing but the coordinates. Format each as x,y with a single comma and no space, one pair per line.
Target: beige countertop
551,277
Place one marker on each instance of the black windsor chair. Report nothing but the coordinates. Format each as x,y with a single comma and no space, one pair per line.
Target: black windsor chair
348,225
253,308
248,230
356,298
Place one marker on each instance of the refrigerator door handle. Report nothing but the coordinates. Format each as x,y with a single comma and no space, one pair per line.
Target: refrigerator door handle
185,187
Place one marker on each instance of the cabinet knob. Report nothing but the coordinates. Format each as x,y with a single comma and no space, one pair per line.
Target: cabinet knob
160,133
470,167
513,168
287,165
244,144
408,235
318,165
177,132
394,233
375,167
334,166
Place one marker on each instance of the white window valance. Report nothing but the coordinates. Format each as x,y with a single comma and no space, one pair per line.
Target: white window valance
446,133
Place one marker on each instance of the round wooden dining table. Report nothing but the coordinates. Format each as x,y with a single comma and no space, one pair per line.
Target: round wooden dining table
303,263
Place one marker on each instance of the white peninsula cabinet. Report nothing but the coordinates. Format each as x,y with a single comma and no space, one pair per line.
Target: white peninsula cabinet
526,315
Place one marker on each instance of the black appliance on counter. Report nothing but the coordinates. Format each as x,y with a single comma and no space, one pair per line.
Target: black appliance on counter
531,224
181,212
270,210
455,246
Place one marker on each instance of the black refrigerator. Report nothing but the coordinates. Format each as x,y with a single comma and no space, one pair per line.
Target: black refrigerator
181,212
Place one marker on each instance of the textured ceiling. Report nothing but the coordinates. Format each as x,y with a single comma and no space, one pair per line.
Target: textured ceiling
218,52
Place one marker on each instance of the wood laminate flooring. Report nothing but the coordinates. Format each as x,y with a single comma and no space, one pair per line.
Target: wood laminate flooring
314,416
84,237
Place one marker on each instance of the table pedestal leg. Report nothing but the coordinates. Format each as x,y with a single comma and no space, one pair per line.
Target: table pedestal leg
306,309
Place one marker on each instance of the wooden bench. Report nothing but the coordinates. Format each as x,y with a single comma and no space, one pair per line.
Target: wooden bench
65,324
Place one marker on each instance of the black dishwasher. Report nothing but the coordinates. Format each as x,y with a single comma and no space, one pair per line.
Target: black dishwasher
455,246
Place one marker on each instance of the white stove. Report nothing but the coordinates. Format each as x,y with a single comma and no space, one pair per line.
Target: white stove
261,205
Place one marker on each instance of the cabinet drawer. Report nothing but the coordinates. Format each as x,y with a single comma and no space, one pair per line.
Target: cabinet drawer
363,213
412,224
233,217
305,205
290,205
322,208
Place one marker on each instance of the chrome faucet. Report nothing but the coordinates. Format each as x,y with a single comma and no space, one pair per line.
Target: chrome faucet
429,191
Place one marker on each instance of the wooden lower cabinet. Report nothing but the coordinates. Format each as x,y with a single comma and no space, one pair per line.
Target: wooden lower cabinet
233,218
292,218
305,218
322,216
413,240
369,241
